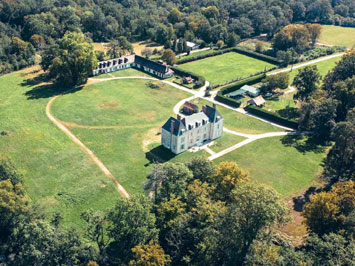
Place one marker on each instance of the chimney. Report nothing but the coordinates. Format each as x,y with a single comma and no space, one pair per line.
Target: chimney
178,117
214,105
172,126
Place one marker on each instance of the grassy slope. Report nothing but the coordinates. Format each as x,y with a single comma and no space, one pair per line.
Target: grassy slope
222,68
336,35
135,109
57,173
284,168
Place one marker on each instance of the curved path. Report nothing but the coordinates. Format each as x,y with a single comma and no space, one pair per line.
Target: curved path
96,160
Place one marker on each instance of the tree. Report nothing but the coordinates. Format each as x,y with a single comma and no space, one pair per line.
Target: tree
169,57
150,254
201,168
130,223
292,36
306,82
226,178
232,39
314,32
254,209
147,52
340,159
96,231
119,47
273,82
321,213
220,44
75,60
174,16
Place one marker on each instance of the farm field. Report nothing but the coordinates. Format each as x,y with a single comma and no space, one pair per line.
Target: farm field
138,47
336,35
280,166
226,67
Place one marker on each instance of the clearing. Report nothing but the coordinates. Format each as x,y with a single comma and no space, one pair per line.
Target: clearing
336,35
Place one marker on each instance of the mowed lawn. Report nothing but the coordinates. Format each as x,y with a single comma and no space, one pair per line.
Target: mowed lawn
58,175
122,118
226,67
336,35
284,168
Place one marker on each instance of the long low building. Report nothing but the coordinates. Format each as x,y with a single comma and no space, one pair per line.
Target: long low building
180,134
135,61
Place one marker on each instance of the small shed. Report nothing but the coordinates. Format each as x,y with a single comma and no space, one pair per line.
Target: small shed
192,45
187,80
251,91
189,108
257,101
238,94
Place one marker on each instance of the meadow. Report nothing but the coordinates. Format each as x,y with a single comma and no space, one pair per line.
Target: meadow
336,35
226,67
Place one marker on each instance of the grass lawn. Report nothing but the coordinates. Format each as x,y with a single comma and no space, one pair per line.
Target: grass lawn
283,167
126,115
336,35
98,46
225,142
58,175
223,68
240,122
204,52
323,66
138,47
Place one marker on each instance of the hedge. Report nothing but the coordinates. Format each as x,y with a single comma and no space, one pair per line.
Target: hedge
259,56
229,101
271,116
200,80
237,85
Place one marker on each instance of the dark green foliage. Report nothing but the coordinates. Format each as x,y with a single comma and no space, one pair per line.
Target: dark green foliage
8,171
277,81
306,82
271,116
130,223
340,164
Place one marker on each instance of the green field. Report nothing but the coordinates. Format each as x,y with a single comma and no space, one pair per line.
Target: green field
336,35
129,72
269,161
57,173
226,67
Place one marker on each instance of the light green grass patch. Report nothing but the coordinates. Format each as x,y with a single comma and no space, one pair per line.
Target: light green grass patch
226,67
282,167
227,140
336,35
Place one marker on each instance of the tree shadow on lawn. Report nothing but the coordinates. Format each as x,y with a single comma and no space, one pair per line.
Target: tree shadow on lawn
289,112
159,154
46,90
301,200
303,143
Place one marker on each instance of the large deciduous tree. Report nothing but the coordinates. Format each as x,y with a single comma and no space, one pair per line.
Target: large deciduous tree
169,57
306,82
73,60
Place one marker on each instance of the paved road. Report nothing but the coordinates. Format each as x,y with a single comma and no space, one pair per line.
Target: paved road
306,63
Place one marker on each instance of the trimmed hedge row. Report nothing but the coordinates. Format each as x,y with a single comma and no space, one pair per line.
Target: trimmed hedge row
237,85
229,101
200,80
271,116
255,55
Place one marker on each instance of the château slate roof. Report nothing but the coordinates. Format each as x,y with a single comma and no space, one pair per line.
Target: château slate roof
151,64
208,114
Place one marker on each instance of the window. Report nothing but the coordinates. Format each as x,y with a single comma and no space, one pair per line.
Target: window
182,146
182,139
204,136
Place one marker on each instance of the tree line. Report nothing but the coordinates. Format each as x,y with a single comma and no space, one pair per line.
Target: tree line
42,22
196,214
